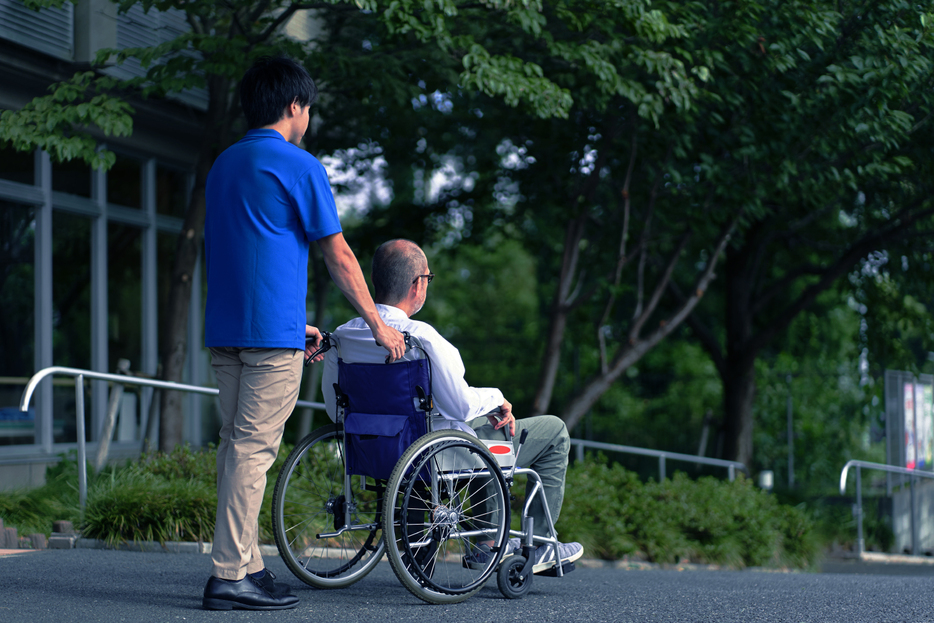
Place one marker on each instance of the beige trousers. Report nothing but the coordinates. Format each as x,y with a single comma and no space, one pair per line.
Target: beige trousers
258,389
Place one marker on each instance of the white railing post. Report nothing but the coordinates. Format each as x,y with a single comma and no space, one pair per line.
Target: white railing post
82,450
860,542
913,476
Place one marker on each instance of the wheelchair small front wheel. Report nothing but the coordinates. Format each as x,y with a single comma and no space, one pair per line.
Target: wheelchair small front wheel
513,584
328,527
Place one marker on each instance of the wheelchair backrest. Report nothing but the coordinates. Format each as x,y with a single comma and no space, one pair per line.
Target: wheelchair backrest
385,409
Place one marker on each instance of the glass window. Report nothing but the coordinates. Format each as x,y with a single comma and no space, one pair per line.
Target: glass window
71,314
17,290
165,257
123,182
71,290
17,166
124,278
171,192
72,177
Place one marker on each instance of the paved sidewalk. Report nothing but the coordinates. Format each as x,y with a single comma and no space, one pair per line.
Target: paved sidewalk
111,586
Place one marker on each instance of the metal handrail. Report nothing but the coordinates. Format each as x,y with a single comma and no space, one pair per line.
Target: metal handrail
79,376
662,456
858,510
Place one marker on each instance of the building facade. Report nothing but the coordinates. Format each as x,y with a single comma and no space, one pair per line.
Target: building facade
85,255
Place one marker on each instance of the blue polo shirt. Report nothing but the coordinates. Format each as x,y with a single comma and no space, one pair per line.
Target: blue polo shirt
266,201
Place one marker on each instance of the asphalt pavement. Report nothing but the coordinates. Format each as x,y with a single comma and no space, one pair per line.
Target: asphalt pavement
107,586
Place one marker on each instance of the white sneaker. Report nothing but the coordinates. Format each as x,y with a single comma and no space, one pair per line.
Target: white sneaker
515,545
544,555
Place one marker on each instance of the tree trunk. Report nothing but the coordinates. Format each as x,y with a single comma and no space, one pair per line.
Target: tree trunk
557,323
175,329
739,393
738,364
174,337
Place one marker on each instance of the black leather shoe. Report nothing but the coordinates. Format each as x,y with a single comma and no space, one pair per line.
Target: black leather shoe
245,594
276,589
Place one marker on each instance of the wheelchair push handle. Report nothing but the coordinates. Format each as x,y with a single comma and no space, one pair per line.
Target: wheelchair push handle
325,346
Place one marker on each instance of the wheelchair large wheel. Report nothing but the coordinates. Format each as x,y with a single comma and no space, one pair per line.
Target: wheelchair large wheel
327,526
445,495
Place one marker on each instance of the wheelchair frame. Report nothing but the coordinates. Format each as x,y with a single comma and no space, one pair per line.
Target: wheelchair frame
331,527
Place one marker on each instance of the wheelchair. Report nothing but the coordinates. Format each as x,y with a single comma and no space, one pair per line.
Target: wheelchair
377,482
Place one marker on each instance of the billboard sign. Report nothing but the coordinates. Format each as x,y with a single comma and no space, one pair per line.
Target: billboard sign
909,417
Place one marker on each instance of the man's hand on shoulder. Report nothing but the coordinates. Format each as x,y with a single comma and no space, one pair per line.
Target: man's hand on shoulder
391,340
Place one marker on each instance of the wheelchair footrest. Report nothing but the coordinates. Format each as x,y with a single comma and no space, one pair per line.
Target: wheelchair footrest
553,572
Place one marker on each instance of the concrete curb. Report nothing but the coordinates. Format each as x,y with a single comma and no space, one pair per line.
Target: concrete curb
899,559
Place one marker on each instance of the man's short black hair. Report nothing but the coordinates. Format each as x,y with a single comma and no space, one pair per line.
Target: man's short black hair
270,85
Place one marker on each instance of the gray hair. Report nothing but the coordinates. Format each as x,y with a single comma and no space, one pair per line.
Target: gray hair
396,264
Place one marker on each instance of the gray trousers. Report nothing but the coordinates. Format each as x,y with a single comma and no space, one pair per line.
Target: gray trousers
546,451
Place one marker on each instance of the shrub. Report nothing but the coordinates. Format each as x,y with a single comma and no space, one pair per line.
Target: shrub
613,514
166,497
183,463
598,509
33,511
135,505
172,497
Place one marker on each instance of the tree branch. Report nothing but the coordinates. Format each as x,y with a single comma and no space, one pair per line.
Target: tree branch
659,288
775,289
630,353
849,259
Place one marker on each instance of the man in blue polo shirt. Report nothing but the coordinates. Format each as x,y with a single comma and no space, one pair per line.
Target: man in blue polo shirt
266,200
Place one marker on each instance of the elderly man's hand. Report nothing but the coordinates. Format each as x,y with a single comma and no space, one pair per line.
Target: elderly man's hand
503,418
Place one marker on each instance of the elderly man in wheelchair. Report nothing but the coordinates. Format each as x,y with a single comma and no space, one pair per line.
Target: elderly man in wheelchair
443,507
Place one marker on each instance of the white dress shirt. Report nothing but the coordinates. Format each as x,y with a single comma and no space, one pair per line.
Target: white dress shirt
455,401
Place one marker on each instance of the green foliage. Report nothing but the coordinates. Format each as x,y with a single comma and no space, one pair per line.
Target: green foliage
706,521
165,497
490,289
831,402
33,511
599,501
172,498
662,403
135,505
834,523
896,294
161,497
48,122
183,463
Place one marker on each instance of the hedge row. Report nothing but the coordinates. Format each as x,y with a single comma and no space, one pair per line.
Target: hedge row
607,508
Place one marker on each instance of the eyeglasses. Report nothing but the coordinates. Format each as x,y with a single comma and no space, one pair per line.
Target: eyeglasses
429,277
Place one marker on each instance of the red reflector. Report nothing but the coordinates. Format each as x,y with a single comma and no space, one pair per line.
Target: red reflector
500,450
